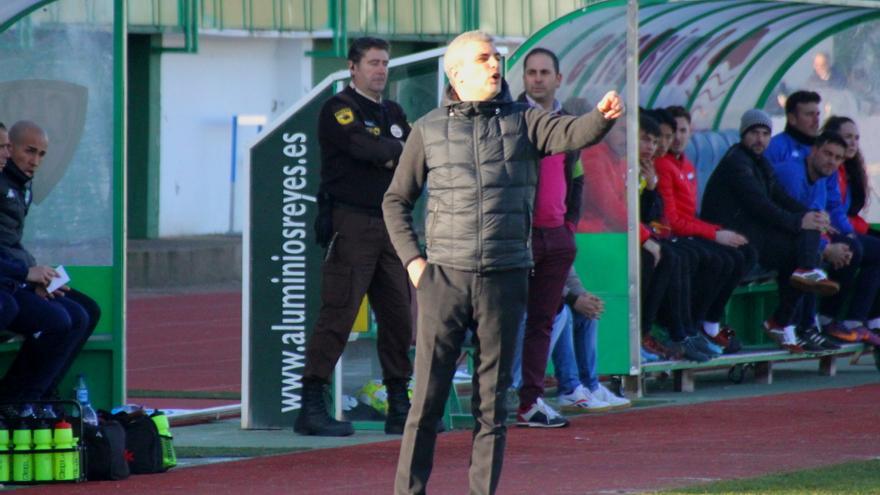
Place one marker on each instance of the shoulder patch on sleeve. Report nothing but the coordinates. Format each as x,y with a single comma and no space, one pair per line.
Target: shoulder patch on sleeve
344,116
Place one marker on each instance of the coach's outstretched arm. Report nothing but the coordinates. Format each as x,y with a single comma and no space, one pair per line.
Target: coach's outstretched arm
560,133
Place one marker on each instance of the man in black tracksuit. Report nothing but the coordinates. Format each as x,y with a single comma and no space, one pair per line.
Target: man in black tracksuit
477,156
361,136
55,326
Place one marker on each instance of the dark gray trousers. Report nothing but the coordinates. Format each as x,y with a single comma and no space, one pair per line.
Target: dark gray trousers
450,302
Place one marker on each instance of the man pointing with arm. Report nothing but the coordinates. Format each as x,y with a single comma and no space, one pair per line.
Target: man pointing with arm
478,156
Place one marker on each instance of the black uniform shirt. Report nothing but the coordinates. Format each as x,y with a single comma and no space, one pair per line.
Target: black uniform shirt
361,141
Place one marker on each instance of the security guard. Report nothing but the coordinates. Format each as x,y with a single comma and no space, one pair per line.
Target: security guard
361,136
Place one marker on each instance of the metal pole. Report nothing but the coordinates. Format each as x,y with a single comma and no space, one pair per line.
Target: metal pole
632,182
232,173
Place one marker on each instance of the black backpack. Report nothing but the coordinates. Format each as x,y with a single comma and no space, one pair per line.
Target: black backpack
105,451
142,443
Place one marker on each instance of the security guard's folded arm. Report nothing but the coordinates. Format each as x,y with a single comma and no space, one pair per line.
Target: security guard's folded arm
362,143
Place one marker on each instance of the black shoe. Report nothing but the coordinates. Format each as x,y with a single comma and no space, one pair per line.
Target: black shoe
688,349
398,406
826,343
313,418
733,346
810,340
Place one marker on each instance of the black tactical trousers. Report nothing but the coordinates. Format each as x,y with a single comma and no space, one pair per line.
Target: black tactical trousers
361,261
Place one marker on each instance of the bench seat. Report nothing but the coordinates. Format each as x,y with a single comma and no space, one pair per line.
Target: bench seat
761,357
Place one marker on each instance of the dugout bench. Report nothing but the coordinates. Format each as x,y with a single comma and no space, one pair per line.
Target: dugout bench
95,360
746,311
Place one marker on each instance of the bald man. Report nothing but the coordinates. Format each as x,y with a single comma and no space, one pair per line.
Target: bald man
55,325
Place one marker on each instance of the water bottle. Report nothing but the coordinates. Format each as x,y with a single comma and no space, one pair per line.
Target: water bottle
129,409
4,453
169,457
47,412
65,466
27,411
81,392
43,460
22,455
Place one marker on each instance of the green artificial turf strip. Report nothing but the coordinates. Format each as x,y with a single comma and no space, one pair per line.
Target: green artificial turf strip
851,478
199,452
183,394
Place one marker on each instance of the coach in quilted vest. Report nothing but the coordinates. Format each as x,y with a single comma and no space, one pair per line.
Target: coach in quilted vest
477,156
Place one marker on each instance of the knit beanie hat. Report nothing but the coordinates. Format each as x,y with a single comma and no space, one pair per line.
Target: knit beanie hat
752,118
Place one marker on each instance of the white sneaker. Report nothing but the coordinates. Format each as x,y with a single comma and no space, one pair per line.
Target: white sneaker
615,401
581,400
814,281
540,415
789,337
462,375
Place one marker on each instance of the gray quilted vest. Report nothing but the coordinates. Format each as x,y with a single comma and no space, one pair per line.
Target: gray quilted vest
482,174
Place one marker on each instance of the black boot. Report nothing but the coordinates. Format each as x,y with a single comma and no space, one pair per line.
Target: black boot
398,405
313,418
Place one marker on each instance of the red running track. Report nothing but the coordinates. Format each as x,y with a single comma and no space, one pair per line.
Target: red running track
635,450
186,342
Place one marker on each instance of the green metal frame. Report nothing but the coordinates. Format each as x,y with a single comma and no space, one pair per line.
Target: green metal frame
599,60
144,77
549,28
722,56
672,8
470,14
748,67
338,23
120,60
655,44
523,49
24,13
105,284
777,76
574,43
188,22
658,41
696,44
342,19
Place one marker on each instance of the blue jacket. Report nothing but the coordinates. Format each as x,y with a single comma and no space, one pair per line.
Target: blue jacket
785,148
792,176
835,206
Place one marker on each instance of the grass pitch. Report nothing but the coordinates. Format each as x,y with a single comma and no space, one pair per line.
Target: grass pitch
852,478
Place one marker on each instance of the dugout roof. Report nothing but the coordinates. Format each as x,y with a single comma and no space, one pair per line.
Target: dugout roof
717,57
